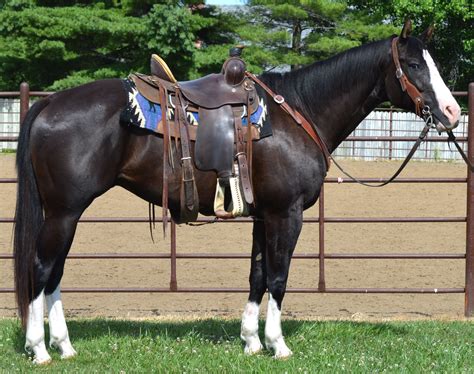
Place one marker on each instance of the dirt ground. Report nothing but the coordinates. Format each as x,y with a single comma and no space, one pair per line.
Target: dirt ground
342,200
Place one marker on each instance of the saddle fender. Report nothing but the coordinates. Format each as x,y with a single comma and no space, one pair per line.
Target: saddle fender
214,148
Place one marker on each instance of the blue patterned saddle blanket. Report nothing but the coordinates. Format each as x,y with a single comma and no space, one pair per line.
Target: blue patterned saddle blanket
142,113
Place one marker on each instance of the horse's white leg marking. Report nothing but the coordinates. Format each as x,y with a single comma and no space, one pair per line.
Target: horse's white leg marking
273,334
249,328
446,101
35,331
58,334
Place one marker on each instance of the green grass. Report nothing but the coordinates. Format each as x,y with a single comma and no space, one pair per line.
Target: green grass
7,151
214,346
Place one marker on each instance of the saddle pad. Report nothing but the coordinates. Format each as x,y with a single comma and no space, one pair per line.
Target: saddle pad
140,112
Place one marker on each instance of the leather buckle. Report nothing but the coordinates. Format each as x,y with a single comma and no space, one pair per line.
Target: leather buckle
279,99
399,73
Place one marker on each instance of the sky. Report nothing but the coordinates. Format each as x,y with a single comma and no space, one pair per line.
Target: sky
225,2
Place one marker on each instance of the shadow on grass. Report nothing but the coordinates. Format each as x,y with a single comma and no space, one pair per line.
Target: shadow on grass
214,330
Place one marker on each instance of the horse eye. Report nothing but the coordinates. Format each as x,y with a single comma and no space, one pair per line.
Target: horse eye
414,66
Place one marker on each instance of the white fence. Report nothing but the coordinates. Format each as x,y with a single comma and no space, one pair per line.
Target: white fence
9,121
398,124
378,123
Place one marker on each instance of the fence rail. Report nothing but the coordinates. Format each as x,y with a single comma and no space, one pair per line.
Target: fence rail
321,256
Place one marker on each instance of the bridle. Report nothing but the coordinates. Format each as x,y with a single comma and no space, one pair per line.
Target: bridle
407,86
420,106
421,110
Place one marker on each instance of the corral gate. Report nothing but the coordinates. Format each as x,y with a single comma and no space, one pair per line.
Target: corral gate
173,255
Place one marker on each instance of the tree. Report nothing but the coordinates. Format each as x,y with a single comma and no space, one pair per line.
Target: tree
55,47
453,39
302,31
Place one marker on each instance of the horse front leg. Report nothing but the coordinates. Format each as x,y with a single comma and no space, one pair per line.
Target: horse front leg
281,236
258,286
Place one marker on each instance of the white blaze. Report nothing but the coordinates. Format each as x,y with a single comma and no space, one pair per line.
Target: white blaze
446,101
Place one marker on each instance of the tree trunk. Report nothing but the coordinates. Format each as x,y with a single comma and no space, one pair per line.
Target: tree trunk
296,41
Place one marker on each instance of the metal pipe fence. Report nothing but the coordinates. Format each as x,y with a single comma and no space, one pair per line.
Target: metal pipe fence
322,220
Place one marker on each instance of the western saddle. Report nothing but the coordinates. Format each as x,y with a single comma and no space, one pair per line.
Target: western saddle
222,143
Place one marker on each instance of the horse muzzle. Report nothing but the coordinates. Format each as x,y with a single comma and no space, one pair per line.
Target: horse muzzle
445,122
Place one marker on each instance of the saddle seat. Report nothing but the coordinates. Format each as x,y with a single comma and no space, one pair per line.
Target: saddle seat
214,90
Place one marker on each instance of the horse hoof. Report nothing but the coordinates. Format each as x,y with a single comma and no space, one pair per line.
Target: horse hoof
284,354
65,349
253,349
68,355
42,361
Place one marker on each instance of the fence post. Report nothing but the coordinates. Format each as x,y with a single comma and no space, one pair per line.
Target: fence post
24,100
469,291
173,278
322,278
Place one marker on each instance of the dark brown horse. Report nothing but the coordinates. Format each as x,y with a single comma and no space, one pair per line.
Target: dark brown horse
73,148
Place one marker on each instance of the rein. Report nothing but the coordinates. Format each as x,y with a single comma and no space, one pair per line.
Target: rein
421,138
452,139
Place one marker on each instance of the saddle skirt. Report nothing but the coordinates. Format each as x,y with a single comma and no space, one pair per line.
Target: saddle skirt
145,112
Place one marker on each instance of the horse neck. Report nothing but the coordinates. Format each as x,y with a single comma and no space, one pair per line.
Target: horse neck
337,94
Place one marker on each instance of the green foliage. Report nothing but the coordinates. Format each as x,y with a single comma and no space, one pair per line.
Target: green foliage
302,31
216,38
49,47
453,40
172,31
56,44
60,46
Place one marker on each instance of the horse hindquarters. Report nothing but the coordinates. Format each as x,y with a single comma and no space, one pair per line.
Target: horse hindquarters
68,157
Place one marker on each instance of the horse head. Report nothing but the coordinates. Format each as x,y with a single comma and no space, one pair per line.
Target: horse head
416,66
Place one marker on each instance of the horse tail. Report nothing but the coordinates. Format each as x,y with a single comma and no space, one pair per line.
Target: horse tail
28,215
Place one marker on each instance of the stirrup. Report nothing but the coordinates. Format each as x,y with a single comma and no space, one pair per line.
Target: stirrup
237,207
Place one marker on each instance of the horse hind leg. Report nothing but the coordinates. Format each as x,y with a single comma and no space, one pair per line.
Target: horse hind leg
258,286
58,332
54,242
35,331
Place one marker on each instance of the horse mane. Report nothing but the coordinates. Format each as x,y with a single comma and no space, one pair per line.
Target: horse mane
309,86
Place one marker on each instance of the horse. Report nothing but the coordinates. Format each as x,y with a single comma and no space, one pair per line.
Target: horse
72,148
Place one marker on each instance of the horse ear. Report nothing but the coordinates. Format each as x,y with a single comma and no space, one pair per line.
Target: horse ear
426,35
406,31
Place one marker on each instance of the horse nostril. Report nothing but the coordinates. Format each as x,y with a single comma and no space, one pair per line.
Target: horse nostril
452,112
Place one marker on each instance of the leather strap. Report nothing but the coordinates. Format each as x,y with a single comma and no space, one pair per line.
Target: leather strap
407,86
452,138
241,156
250,144
166,145
186,163
420,139
297,116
